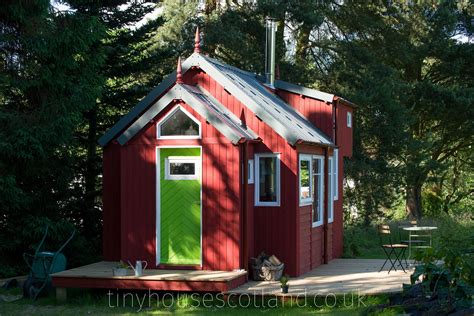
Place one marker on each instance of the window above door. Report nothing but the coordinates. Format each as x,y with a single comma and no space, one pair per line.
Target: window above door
182,168
179,124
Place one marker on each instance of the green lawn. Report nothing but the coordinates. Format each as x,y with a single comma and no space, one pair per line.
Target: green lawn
98,303
359,242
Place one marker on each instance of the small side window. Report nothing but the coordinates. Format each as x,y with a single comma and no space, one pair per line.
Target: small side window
349,119
250,175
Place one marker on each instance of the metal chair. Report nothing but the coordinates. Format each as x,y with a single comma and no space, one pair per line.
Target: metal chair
391,248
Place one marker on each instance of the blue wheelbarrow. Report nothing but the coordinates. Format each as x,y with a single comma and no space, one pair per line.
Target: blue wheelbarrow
42,264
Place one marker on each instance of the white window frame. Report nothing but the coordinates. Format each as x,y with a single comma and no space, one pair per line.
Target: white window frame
349,119
336,174
182,159
167,116
257,179
309,200
330,196
250,170
321,192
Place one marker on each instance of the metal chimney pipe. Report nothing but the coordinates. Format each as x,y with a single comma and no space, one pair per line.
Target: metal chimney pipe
270,28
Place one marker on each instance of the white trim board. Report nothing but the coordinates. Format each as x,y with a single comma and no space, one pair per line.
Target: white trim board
157,200
321,192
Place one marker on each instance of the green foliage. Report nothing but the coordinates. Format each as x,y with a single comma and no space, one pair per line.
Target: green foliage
68,76
362,242
455,233
122,265
50,76
284,280
399,62
446,274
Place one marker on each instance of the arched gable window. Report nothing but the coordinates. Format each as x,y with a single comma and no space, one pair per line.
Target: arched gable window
179,124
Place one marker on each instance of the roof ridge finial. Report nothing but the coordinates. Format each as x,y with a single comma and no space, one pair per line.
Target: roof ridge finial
197,41
179,77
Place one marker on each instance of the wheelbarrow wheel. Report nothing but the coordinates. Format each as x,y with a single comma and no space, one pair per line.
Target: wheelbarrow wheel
29,289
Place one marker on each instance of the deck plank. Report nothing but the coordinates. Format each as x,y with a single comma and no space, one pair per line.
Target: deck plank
340,276
103,270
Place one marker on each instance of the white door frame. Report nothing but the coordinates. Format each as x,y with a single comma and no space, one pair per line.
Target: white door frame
157,197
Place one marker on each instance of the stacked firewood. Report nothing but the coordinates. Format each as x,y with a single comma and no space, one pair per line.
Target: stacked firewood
266,268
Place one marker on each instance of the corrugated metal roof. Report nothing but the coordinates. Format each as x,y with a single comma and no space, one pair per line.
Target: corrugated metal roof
279,115
209,108
221,112
312,93
137,110
245,86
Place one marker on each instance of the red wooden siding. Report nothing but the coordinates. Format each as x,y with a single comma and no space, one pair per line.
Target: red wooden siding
274,228
111,203
318,112
311,239
138,202
286,231
344,133
220,195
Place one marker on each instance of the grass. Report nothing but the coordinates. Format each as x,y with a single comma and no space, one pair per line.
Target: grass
363,242
97,303
359,242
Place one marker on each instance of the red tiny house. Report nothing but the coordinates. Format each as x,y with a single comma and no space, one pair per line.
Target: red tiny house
254,140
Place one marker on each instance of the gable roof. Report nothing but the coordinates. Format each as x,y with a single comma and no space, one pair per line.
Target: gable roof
245,86
209,108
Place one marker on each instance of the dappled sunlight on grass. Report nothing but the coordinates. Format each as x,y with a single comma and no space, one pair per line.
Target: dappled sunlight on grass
81,302
364,242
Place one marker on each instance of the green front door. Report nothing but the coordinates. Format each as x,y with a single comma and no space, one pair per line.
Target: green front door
179,232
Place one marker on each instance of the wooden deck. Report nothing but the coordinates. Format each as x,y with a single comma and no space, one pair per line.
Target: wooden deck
340,276
99,275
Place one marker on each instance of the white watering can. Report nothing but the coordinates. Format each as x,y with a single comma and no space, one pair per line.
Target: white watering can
139,267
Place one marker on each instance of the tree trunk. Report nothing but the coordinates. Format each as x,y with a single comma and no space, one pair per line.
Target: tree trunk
413,201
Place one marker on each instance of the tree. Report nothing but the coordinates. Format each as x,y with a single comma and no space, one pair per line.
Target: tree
407,52
49,78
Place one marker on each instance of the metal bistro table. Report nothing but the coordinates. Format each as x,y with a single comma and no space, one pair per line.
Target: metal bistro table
417,232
